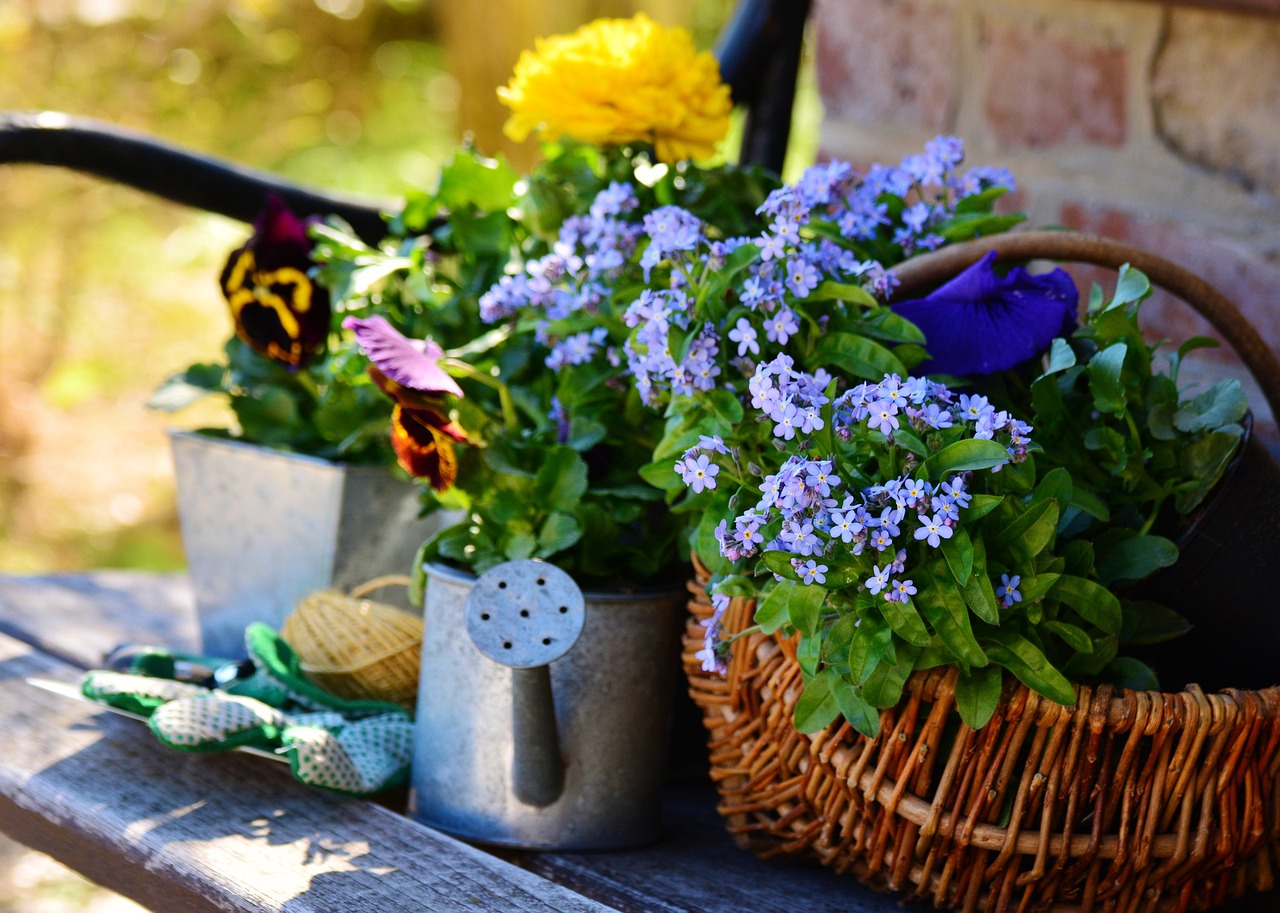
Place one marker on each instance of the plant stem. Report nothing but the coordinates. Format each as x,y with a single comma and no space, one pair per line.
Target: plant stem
462,369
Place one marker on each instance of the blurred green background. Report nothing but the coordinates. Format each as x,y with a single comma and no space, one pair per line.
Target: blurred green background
105,291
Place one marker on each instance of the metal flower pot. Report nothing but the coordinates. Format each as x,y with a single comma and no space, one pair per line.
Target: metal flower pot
538,752
262,528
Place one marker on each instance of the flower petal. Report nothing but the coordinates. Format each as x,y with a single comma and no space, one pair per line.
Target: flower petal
413,363
980,322
422,444
276,308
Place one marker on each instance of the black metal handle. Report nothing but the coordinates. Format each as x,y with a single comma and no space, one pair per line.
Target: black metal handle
176,174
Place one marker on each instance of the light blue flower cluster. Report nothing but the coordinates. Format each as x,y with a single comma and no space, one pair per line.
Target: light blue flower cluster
796,254
713,643
590,253
806,509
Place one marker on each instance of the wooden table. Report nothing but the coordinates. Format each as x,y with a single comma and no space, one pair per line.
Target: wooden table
234,832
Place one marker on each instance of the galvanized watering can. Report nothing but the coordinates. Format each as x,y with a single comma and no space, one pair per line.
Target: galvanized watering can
543,712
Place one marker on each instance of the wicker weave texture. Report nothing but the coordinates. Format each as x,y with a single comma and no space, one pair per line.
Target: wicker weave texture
1127,802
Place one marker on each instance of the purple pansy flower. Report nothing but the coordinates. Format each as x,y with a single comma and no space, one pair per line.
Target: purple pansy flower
413,363
981,322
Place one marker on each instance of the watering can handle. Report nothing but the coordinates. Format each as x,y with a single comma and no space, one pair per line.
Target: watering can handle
919,274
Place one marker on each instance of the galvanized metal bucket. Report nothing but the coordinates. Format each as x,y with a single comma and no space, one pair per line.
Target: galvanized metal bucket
566,755
262,528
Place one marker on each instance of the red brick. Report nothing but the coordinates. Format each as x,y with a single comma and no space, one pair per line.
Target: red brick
1046,87
886,62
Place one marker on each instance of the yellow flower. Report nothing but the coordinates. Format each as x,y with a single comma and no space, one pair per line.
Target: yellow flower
617,81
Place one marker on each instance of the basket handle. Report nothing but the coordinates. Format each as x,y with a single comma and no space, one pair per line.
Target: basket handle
921,273
377,583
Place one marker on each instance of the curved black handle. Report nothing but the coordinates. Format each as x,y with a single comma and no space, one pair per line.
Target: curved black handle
156,167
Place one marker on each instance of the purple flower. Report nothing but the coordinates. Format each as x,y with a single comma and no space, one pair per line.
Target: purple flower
812,572
879,579
782,326
981,322
1008,589
933,529
902,590
413,363
744,335
698,472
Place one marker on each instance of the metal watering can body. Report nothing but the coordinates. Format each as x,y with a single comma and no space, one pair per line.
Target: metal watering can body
569,755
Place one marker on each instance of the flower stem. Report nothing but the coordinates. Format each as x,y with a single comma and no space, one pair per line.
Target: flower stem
462,369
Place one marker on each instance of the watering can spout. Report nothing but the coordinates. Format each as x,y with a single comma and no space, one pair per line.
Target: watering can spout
537,773
525,615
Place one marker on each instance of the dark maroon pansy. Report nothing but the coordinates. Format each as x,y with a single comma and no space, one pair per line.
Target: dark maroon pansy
276,308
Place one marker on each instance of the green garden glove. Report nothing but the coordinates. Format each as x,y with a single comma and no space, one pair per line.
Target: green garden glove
354,747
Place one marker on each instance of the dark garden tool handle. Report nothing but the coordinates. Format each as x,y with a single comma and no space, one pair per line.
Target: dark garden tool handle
919,274
148,164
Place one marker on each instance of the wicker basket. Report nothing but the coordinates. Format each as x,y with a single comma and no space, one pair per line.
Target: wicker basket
1126,802
356,648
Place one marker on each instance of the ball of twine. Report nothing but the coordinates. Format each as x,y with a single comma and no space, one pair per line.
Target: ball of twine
357,648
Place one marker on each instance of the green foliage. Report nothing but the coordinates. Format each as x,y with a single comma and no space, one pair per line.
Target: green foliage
1147,451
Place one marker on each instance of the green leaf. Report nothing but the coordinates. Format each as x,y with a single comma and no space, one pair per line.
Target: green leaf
981,598
562,480
856,709
559,532
838,639
958,550
872,644
1105,381
1074,637
1222,404
883,687
780,563
965,455
1131,285
906,622
1127,672
908,440
1147,623
1204,461
980,506
662,475
817,707
1031,667
978,695
1028,535
1032,588
855,355
771,612
802,603
1055,485
838,291
809,655
469,179
1135,557
1091,601
1061,356
943,606
520,544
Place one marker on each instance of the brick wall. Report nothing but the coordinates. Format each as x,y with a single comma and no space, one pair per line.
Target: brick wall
1150,123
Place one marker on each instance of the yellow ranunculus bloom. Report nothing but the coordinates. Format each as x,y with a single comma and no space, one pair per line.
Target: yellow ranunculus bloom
618,81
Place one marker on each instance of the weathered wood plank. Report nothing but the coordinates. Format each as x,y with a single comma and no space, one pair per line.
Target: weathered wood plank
79,617
227,832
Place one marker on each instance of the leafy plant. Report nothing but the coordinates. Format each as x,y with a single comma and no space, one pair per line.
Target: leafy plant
1140,450
907,528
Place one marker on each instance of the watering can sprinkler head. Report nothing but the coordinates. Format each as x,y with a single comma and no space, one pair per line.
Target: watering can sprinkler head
525,615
